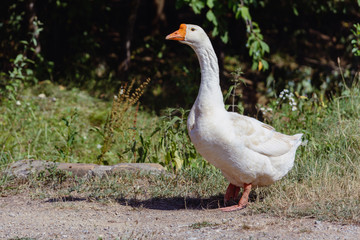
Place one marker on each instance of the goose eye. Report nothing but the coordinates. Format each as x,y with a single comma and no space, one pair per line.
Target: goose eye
192,29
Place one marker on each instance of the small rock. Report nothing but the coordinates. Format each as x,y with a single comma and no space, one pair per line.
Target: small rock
147,167
42,95
100,171
23,168
78,169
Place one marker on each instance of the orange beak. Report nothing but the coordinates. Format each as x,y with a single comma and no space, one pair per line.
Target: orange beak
178,35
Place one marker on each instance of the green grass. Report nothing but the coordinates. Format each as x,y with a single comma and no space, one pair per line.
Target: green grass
62,127
68,126
324,183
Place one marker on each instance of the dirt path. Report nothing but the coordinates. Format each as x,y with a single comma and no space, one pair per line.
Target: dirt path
79,219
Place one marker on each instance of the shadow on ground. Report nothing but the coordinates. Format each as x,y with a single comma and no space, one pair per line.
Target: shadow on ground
165,203
179,203
175,203
66,199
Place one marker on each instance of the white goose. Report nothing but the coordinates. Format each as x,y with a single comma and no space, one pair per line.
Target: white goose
247,151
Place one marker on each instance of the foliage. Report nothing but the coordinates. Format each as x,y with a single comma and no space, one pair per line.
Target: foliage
216,11
257,47
22,73
82,45
175,143
356,41
168,144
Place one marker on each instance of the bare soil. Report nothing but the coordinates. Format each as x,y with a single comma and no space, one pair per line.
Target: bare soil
23,217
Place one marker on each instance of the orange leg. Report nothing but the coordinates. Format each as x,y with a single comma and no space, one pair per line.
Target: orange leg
243,200
231,192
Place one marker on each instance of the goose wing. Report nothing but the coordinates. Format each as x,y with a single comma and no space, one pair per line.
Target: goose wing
262,138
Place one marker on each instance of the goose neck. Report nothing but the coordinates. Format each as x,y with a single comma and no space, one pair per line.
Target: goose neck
210,90
208,64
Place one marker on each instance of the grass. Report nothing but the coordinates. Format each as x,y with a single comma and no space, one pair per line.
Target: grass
62,125
189,188
54,124
119,119
324,183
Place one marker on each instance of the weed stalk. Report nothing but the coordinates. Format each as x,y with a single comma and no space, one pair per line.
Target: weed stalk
116,122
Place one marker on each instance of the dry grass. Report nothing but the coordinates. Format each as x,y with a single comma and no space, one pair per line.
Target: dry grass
325,182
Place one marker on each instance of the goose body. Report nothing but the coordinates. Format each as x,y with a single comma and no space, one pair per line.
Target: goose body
247,151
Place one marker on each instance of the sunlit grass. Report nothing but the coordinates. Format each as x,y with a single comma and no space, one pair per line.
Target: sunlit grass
324,183
60,125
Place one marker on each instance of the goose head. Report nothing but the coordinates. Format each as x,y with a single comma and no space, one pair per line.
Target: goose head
190,34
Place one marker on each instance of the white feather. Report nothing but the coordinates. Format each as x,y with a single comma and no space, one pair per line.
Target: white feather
243,148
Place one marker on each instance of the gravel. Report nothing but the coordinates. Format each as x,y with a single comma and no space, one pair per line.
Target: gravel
22,217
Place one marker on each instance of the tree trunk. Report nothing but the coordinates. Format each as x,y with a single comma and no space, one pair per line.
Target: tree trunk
160,15
124,65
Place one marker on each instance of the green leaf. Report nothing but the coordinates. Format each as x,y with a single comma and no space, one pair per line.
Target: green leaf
265,64
34,41
264,47
225,37
227,95
255,25
256,31
296,11
245,14
215,31
29,72
254,65
210,3
211,17
237,14
197,6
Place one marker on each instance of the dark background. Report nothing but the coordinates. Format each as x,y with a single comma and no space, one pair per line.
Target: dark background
98,45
